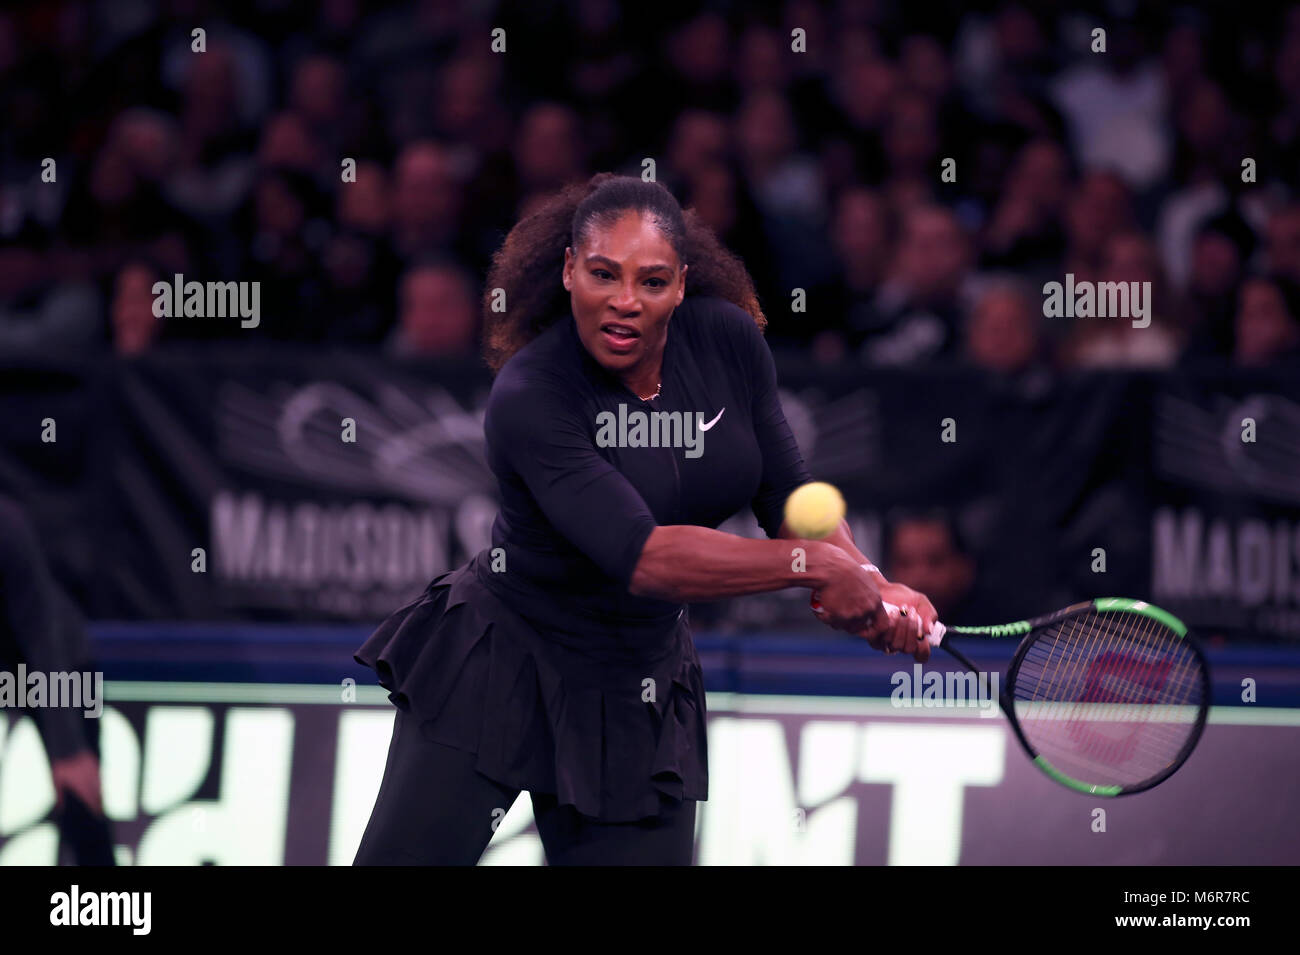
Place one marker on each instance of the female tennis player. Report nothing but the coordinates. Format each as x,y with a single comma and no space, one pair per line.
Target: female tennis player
560,660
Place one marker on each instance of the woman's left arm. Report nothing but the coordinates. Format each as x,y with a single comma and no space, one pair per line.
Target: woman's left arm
899,595
842,538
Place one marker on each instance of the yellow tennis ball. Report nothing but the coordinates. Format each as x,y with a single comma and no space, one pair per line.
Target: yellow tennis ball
814,510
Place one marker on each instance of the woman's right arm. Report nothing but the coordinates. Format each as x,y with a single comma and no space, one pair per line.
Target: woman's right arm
684,563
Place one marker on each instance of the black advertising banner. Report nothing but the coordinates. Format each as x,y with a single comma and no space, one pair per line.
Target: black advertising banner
291,485
1225,514
1013,466
51,413
300,484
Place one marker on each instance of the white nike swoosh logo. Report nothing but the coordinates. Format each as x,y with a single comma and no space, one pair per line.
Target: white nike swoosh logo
706,427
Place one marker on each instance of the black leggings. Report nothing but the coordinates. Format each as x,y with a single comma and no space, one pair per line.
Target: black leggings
435,808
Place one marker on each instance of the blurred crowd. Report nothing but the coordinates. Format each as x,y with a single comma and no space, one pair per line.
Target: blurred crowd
821,169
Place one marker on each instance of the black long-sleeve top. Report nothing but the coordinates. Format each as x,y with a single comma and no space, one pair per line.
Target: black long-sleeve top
575,515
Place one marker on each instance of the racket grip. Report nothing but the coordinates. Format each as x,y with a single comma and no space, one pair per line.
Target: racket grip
936,632
933,637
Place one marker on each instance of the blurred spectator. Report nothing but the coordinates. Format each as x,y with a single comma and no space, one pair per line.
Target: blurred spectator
548,149
1114,341
426,200
699,139
359,270
1098,209
438,313
785,182
1004,64
861,91
787,188
358,273
604,61
845,313
723,202
288,143
213,171
763,57
467,110
365,205
316,95
1221,252
925,552
1025,229
911,145
697,62
1209,138
919,303
1268,321
1210,146
135,327
226,86
289,235
1002,334
1283,250
40,313
925,67
148,141
123,207
1182,59
1115,104
1285,125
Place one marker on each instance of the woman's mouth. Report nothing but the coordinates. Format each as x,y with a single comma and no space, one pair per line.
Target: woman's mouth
619,336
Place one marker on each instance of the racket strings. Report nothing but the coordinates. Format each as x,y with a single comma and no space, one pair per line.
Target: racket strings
1119,706
1109,698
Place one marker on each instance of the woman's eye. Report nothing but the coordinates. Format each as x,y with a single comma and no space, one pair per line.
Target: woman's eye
603,274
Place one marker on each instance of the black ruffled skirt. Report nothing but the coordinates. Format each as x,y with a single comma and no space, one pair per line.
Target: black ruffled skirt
617,741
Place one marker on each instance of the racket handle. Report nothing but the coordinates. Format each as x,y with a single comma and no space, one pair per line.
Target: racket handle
933,637
936,632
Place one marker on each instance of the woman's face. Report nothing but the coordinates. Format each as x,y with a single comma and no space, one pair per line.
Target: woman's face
625,282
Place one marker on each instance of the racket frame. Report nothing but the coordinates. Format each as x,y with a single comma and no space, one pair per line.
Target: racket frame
1026,629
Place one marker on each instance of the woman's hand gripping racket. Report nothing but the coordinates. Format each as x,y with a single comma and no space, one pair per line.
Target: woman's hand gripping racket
1108,696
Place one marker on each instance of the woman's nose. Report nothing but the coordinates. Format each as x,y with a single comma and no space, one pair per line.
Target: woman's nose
626,298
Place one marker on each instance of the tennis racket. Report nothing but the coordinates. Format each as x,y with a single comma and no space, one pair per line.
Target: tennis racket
1108,697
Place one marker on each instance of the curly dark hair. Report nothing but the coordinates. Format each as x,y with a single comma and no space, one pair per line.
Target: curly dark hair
527,266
